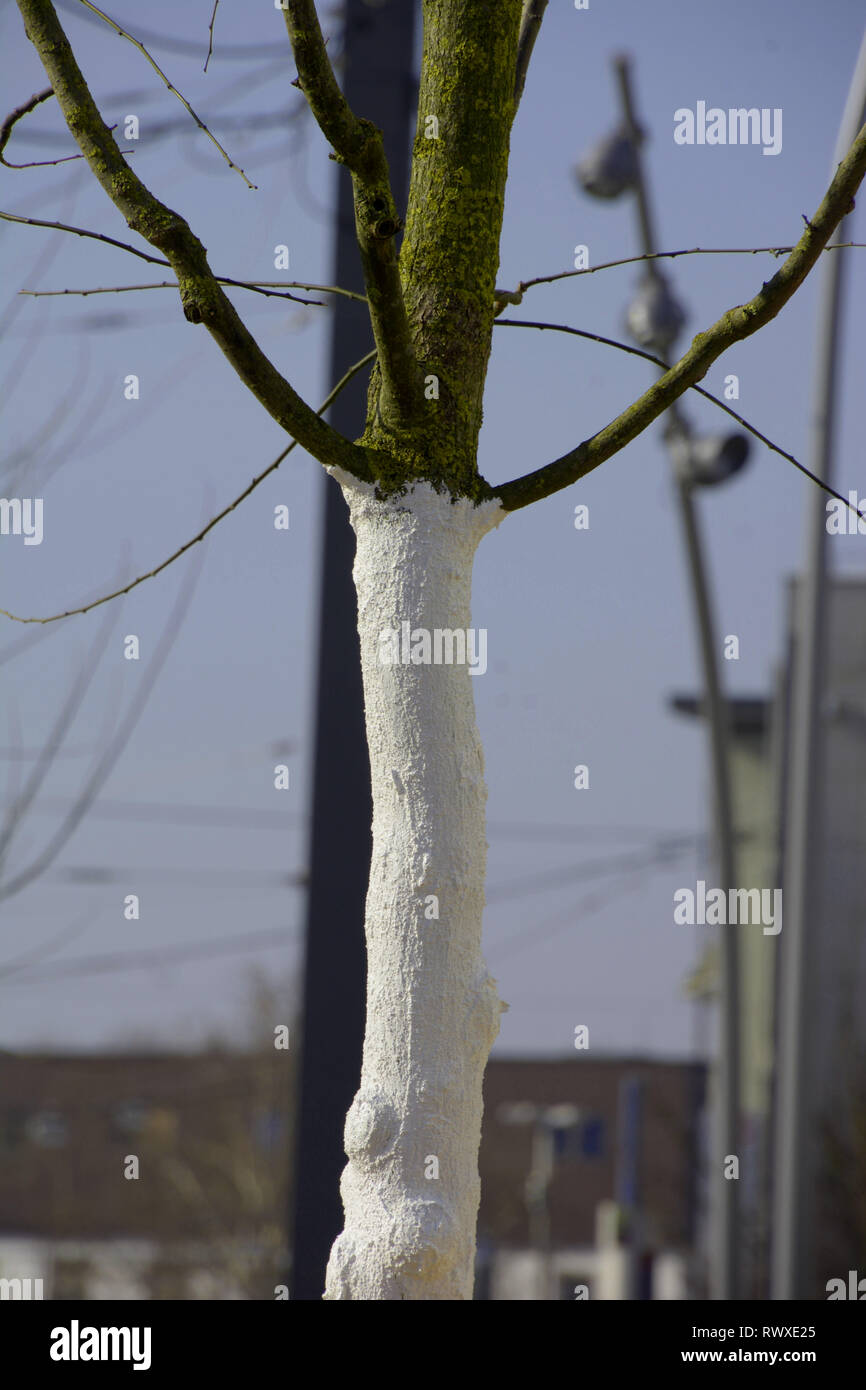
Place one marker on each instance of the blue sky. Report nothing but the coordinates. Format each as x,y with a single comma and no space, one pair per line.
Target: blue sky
589,632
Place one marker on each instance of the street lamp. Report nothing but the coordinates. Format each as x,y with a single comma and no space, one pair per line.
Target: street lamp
610,167
708,459
655,319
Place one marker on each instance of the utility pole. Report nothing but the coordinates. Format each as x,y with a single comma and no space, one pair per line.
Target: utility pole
677,433
378,82
792,1264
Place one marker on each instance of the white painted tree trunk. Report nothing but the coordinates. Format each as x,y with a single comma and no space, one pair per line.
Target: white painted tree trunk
411,1188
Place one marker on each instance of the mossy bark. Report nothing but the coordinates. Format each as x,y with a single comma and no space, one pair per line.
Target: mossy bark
450,252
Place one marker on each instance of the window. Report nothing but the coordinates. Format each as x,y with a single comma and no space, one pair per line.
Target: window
46,1129
592,1137
583,1140
268,1129
128,1117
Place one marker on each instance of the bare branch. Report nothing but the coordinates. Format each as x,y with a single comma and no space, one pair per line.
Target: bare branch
663,255
171,87
107,761
708,395
259,285
71,932
17,810
359,145
738,323
169,285
256,287
85,608
17,460
8,124
185,48
262,285
210,34
204,300
81,231
530,23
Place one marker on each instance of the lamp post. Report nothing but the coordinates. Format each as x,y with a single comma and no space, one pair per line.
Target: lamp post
791,1246
654,320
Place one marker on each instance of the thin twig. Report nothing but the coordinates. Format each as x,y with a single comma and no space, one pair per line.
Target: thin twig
15,813
670,255
203,298
109,757
171,87
708,395
359,145
6,130
16,115
261,286
71,932
85,608
81,231
210,34
168,285
255,286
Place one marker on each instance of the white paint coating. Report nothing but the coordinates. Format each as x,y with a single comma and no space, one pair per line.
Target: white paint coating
432,1008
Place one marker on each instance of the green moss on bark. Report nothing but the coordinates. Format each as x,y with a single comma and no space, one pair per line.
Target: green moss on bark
450,253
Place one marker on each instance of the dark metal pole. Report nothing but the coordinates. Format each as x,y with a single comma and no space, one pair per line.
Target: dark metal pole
725,1249
377,79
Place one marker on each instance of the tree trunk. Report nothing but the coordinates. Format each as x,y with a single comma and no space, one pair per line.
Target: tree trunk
411,1187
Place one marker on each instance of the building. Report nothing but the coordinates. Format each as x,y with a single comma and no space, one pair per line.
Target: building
128,1176
832,1216
159,1176
589,1178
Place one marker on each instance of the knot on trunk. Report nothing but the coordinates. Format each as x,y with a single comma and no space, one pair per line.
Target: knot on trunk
371,1127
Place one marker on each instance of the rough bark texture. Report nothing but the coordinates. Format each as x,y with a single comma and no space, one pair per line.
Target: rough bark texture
432,1008
450,252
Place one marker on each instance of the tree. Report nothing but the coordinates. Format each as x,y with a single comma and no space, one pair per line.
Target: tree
420,508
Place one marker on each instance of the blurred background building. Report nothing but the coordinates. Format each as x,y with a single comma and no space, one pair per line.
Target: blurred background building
145,1177
834,1019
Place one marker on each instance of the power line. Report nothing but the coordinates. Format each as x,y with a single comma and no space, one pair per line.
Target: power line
535,830
103,874
159,957
171,813
573,916
664,852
